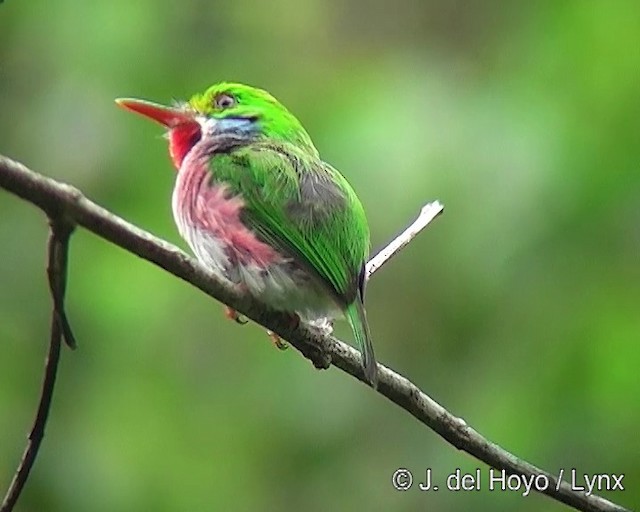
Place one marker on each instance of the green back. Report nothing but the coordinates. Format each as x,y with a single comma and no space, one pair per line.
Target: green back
303,207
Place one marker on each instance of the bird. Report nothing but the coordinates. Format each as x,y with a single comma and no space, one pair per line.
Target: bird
261,210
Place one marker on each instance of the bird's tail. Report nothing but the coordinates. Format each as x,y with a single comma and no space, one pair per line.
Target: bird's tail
357,317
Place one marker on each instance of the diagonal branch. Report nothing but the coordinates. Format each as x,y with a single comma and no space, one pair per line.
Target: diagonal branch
51,196
57,271
428,213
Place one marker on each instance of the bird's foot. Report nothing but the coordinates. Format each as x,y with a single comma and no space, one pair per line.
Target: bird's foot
232,314
278,342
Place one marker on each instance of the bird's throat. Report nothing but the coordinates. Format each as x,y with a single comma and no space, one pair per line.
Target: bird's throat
181,139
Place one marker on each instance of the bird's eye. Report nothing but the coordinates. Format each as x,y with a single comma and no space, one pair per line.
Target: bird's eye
224,101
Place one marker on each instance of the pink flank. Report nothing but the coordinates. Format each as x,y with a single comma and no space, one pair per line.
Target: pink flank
212,209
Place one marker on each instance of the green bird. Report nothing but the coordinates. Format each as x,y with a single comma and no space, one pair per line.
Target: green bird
262,210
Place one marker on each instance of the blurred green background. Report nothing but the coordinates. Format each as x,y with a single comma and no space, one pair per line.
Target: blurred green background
517,310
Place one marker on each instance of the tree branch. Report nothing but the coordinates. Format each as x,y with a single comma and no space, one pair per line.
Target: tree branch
52,196
428,212
57,271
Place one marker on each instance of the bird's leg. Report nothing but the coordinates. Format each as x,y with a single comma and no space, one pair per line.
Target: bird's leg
278,342
232,314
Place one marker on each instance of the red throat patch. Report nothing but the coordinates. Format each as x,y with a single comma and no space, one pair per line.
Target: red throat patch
181,139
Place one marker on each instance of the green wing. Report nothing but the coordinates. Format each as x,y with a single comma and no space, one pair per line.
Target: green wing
303,207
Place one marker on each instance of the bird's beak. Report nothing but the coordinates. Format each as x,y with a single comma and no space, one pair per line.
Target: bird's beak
171,117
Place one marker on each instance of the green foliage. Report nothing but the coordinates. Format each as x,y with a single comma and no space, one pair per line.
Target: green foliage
517,309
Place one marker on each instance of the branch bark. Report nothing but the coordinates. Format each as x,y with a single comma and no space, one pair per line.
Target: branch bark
58,247
428,212
62,201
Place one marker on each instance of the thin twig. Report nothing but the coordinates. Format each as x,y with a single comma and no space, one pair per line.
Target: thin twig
57,274
57,270
49,195
428,212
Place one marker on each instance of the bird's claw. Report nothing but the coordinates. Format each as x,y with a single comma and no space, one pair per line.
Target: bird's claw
277,341
232,314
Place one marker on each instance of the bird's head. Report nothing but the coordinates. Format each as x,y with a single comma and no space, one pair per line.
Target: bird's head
224,110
